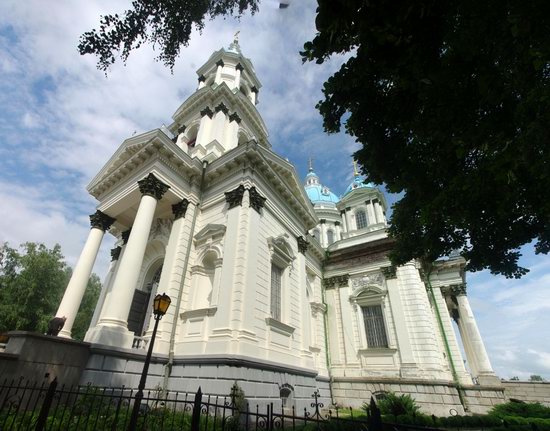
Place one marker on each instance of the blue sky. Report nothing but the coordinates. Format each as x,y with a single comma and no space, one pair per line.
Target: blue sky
61,119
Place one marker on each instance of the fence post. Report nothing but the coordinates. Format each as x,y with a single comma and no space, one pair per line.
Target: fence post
45,409
195,418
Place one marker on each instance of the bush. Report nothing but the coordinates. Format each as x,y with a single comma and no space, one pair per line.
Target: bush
524,410
397,405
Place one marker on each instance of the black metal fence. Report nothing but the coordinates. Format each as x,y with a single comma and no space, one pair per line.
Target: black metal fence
53,407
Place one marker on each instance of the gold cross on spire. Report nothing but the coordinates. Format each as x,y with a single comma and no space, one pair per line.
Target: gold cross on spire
236,37
355,171
310,164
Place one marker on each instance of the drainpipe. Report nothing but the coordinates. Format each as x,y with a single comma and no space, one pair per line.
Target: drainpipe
170,363
445,340
325,324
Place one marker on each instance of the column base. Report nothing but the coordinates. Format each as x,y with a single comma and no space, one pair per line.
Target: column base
488,379
115,336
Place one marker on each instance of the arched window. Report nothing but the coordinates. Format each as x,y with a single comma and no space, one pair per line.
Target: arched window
316,234
330,236
286,395
361,219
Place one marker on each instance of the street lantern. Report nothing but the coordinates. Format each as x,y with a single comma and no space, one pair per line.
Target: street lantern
160,305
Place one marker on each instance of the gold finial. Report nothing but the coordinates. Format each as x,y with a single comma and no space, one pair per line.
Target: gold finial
236,37
310,164
355,172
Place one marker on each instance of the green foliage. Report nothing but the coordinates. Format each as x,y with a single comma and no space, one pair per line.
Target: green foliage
536,378
32,283
396,405
451,103
166,24
524,410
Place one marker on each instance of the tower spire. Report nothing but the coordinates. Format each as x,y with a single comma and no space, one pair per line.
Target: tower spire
355,171
310,164
235,47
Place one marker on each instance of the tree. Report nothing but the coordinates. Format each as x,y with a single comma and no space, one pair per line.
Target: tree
164,23
32,283
450,101
535,378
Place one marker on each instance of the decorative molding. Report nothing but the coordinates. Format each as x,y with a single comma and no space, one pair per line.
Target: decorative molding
235,197
375,279
125,235
220,63
207,111
458,289
221,107
152,186
202,78
239,66
281,327
257,201
235,117
336,281
160,229
115,253
336,223
101,221
180,209
200,312
317,307
302,244
390,272
322,221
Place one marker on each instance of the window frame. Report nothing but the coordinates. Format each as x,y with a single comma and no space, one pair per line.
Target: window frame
364,218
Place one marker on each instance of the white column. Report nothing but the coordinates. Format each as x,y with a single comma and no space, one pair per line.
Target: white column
79,280
220,65
253,95
238,70
351,226
344,220
113,326
338,231
371,214
471,331
203,134
115,254
324,239
378,212
218,125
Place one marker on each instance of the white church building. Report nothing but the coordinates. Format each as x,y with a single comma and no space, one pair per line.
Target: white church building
275,282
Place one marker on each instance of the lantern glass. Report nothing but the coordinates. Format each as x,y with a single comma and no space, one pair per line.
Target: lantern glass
161,304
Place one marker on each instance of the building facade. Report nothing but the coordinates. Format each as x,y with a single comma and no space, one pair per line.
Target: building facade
275,283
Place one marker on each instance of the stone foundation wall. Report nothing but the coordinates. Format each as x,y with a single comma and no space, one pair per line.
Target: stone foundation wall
533,392
436,398
215,374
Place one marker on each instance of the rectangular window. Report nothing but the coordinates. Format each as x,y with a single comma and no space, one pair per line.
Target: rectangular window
276,282
361,219
374,326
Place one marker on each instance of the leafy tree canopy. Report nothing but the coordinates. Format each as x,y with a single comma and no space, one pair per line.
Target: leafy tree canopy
32,283
164,23
450,101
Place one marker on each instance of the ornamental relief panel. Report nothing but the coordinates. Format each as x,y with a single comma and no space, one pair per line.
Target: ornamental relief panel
160,230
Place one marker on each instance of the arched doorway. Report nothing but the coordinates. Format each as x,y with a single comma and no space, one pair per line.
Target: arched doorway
140,309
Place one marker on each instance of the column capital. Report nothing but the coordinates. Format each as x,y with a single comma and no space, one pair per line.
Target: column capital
336,281
239,66
221,107
235,197
115,253
234,117
180,209
220,63
125,235
302,244
390,272
257,201
207,111
458,289
152,186
101,221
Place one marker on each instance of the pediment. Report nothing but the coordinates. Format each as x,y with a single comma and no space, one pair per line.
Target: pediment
210,231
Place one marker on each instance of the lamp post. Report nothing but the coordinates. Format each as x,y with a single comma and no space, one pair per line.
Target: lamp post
160,305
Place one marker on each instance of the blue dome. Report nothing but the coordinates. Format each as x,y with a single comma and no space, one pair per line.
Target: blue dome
357,183
317,193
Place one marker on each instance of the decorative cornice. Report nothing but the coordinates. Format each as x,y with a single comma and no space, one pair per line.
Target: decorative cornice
390,272
220,63
239,66
207,111
235,117
101,221
152,186
180,209
115,253
125,235
235,197
257,201
302,244
202,78
458,289
221,107
336,281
